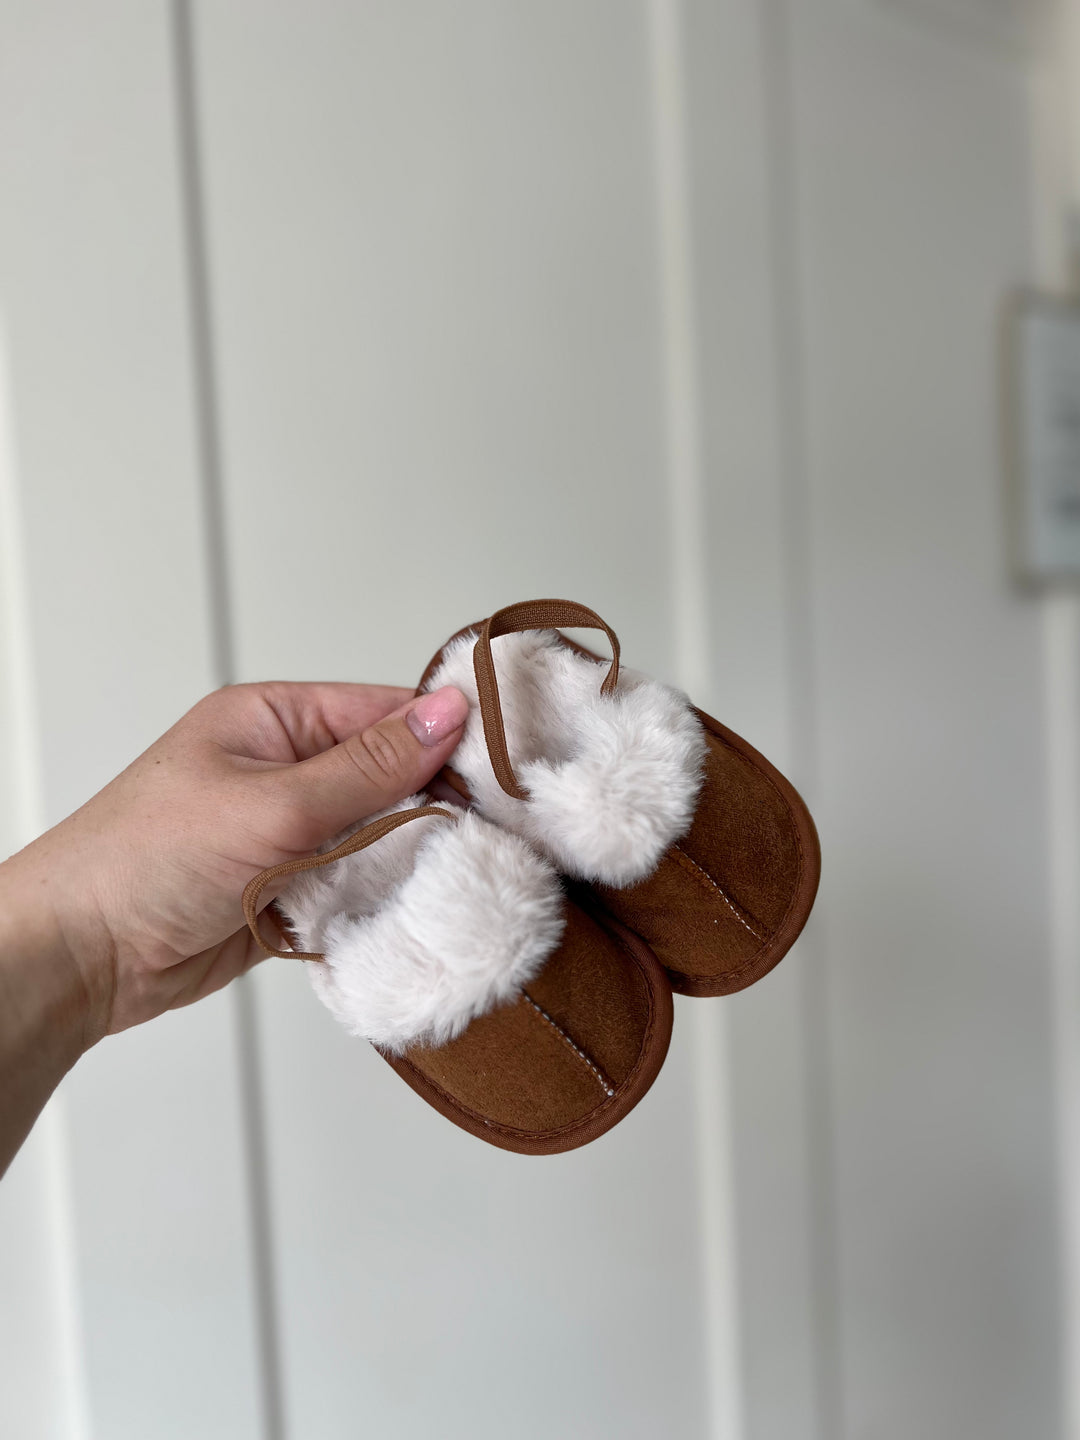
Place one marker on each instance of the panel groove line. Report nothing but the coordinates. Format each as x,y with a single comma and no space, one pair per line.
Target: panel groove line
200,293
796,539
1055,153
52,1382
694,672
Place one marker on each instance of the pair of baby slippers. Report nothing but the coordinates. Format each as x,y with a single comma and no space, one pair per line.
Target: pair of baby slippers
514,958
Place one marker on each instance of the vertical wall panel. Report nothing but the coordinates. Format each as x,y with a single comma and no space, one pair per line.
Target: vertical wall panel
671,42
38,1397
438,335
911,158
757,664
93,294
35,1399
432,233
1056,171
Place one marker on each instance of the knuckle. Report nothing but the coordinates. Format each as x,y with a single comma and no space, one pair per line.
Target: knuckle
375,756
223,698
210,702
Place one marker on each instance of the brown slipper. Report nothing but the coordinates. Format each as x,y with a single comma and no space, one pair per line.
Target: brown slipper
531,1021
680,830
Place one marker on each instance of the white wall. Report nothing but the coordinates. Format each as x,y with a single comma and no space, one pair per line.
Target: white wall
328,329
113,577
928,714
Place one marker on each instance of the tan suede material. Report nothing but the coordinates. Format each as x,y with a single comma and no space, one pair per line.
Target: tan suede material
687,922
514,1069
743,835
714,908
590,991
568,1059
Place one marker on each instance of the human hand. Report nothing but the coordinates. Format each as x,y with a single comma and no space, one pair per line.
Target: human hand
136,897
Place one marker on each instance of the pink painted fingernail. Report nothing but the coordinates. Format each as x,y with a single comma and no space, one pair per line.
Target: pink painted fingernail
437,715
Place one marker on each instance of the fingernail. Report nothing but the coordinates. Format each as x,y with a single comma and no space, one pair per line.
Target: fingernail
437,715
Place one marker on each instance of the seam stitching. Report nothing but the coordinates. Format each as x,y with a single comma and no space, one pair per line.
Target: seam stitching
721,892
573,1125
603,1080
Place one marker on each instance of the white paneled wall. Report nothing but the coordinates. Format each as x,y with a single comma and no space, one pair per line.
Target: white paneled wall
469,406
928,712
96,319
327,329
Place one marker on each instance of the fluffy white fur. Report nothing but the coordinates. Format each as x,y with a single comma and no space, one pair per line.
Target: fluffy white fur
612,780
432,925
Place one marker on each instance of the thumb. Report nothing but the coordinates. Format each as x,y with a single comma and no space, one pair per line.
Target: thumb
375,769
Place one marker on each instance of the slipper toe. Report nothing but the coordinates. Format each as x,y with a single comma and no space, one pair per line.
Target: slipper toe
575,1052
526,1015
729,899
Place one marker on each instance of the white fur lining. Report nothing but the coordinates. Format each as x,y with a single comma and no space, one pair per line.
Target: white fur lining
427,928
612,780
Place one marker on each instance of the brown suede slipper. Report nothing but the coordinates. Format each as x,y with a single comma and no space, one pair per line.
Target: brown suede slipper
555,1066
567,1061
724,901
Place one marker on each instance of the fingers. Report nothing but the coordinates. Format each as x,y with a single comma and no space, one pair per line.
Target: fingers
373,769
320,715
279,720
203,974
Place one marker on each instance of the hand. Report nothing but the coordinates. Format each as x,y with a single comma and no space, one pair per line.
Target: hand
131,906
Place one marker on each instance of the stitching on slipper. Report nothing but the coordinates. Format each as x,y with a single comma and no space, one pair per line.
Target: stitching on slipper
721,892
793,817
768,945
779,935
427,1081
780,931
605,1083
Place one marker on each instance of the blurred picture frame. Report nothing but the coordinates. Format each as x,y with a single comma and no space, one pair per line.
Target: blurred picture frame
1042,413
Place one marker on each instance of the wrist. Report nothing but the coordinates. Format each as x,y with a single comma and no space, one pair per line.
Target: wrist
48,1014
49,996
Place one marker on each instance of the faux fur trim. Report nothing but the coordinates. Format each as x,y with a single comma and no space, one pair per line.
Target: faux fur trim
429,927
613,781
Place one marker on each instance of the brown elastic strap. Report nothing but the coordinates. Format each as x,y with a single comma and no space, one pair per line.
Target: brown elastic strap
526,615
359,840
